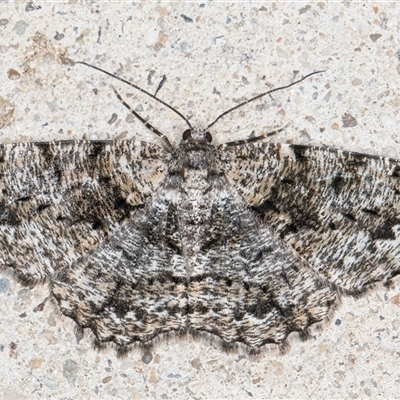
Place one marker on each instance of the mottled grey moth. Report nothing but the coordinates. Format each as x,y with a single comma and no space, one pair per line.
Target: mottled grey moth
246,242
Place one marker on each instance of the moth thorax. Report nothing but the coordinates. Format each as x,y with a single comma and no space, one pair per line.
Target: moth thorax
197,159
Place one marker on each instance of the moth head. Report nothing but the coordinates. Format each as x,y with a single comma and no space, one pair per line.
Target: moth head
197,135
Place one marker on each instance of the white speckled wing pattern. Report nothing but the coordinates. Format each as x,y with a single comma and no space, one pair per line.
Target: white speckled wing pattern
338,210
59,200
245,243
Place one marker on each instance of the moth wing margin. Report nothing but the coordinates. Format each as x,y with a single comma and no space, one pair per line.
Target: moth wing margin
132,290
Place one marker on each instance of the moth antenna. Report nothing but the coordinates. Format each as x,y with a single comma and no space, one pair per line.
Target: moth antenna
147,124
153,96
261,95
253,139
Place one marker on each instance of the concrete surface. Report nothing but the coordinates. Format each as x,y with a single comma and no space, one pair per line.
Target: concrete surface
213,54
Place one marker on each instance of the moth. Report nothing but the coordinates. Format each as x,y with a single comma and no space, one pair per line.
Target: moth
248,242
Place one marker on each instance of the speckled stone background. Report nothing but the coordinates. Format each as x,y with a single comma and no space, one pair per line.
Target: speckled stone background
214,55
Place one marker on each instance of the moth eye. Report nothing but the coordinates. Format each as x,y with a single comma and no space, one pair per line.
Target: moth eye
208,137
187,134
